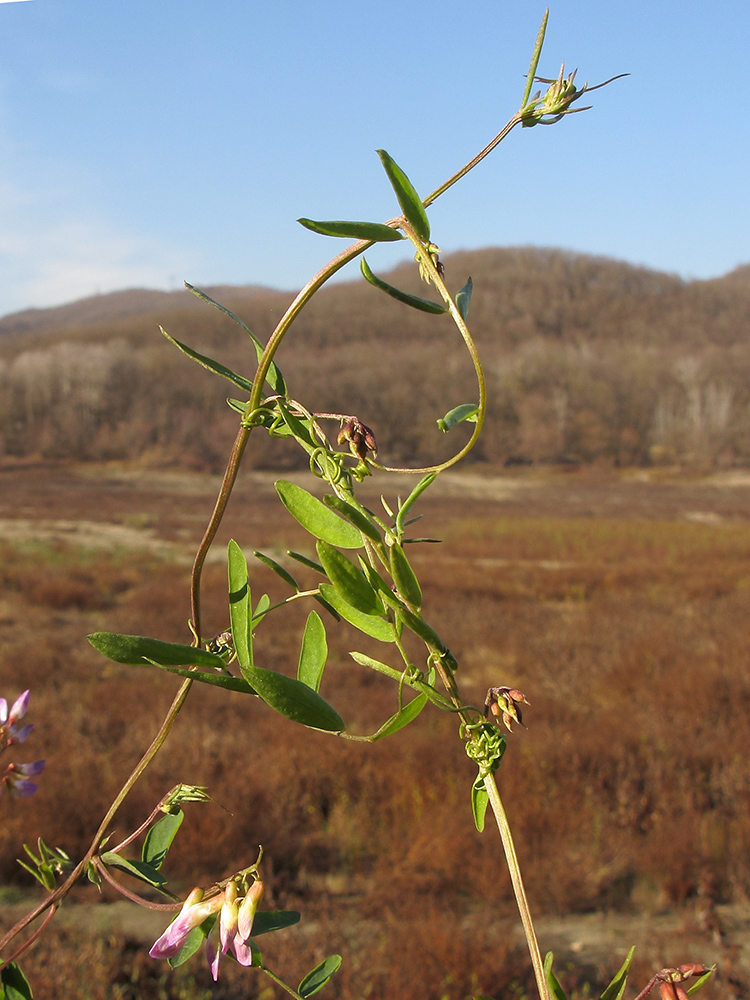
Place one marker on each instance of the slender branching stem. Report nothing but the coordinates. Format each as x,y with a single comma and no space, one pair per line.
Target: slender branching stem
280,982
517,881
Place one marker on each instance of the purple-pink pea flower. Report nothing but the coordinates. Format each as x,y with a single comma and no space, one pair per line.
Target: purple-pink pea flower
194,911
16,776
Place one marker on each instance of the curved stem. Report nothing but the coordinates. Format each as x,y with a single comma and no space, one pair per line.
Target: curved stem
517,881
280,982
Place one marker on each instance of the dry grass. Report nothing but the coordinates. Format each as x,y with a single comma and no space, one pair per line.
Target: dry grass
629,791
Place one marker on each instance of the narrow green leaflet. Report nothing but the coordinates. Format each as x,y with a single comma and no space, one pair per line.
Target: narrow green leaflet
314,652
378,628
316,518
349,580
278,569
701,982
423,688
213,366
466,412
137,650
159,838
403,508
310,563
138,869
479,802
274,920
13,984
556,990
217,680
616,988
319,976
408,199
260,609
374,231
463,298
402,718
404,577
240,605
358,518
274,377
426,305
293,699
420,627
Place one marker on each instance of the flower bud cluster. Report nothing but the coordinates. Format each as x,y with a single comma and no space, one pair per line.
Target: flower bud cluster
16,776
360,437
504,703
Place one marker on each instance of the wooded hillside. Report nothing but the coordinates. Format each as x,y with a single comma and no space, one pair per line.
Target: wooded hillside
587,359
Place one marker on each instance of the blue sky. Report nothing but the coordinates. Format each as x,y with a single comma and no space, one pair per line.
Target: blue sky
144,142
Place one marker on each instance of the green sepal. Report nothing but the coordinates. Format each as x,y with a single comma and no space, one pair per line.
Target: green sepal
408,199
159,838
376,232
463,298
316,518
349,580
310,563
555,989
313,652
319,976
137,650
426,305
378,628
274,377
240,604
479,801
216,680
213,366
616,988
13,984
279,570
293,699
404,577
358,518
138,869
700,983
465,412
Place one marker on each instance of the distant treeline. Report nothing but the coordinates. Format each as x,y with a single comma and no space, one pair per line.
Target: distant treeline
587,359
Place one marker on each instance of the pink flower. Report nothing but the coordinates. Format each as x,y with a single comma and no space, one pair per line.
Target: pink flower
16,776
193,913
235,927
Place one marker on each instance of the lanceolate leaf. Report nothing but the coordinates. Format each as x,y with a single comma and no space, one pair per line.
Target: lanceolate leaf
374,231
310,563
465,412
314,652
378,628
274,377
479,802
349,580
402,718
360,520
217,680
13,984
316,518
138,650
293,699
274,920
138,869
319,976
159,838
192,943
410,300
408,199
556,990
404,577
616,988
240,604
278,570
463,298
210,364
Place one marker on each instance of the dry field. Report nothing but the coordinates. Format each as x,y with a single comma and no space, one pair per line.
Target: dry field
617,602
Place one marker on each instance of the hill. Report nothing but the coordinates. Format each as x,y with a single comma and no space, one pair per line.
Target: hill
588,359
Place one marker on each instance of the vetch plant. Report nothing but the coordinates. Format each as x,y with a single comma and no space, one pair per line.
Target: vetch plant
365,576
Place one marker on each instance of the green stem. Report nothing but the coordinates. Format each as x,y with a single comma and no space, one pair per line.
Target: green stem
280,982
517,881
